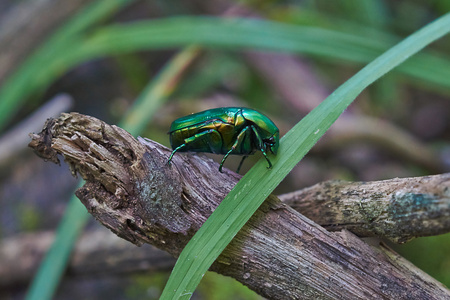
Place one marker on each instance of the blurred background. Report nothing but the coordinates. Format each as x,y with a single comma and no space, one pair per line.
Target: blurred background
120,60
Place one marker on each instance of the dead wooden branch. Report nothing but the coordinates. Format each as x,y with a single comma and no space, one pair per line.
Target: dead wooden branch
280,254
14,141
399,209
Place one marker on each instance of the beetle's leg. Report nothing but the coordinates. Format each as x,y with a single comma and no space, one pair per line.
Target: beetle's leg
224,158
187,141
260,144
173,152
240,164
239,140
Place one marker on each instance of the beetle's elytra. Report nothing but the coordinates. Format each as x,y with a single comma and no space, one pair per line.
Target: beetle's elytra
225,130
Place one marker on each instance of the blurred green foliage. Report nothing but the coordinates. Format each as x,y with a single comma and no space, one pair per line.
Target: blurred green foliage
430,254
337,37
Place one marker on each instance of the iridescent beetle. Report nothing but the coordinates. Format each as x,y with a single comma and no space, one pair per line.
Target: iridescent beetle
226,130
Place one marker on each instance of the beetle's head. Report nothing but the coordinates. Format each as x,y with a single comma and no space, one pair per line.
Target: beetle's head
272,142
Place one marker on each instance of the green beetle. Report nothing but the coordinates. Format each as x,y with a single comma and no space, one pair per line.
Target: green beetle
225,130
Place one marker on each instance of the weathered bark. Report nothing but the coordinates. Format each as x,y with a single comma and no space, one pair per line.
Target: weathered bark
279,253
96,253
14,141
398,209
419,207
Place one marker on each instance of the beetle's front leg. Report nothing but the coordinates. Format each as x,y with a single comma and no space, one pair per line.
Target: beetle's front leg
173,152
240,164
260,144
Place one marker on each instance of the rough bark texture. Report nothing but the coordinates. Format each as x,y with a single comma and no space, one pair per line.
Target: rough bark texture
419,207
280,254
398,209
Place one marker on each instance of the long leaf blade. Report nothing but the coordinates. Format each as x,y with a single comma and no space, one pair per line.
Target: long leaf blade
258,183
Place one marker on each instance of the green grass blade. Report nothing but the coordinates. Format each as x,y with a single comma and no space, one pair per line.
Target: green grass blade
224,34
55,261
236,34
258,183
65,52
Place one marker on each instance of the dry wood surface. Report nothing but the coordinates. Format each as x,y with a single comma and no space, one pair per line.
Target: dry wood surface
279,253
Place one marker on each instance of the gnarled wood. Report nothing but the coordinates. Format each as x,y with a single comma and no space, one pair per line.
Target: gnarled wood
279,253
398,209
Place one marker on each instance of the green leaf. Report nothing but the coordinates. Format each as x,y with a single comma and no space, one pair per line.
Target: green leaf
258,183
55,261
237,34
65,51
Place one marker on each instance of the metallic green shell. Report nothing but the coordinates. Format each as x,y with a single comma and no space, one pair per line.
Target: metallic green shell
226,130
